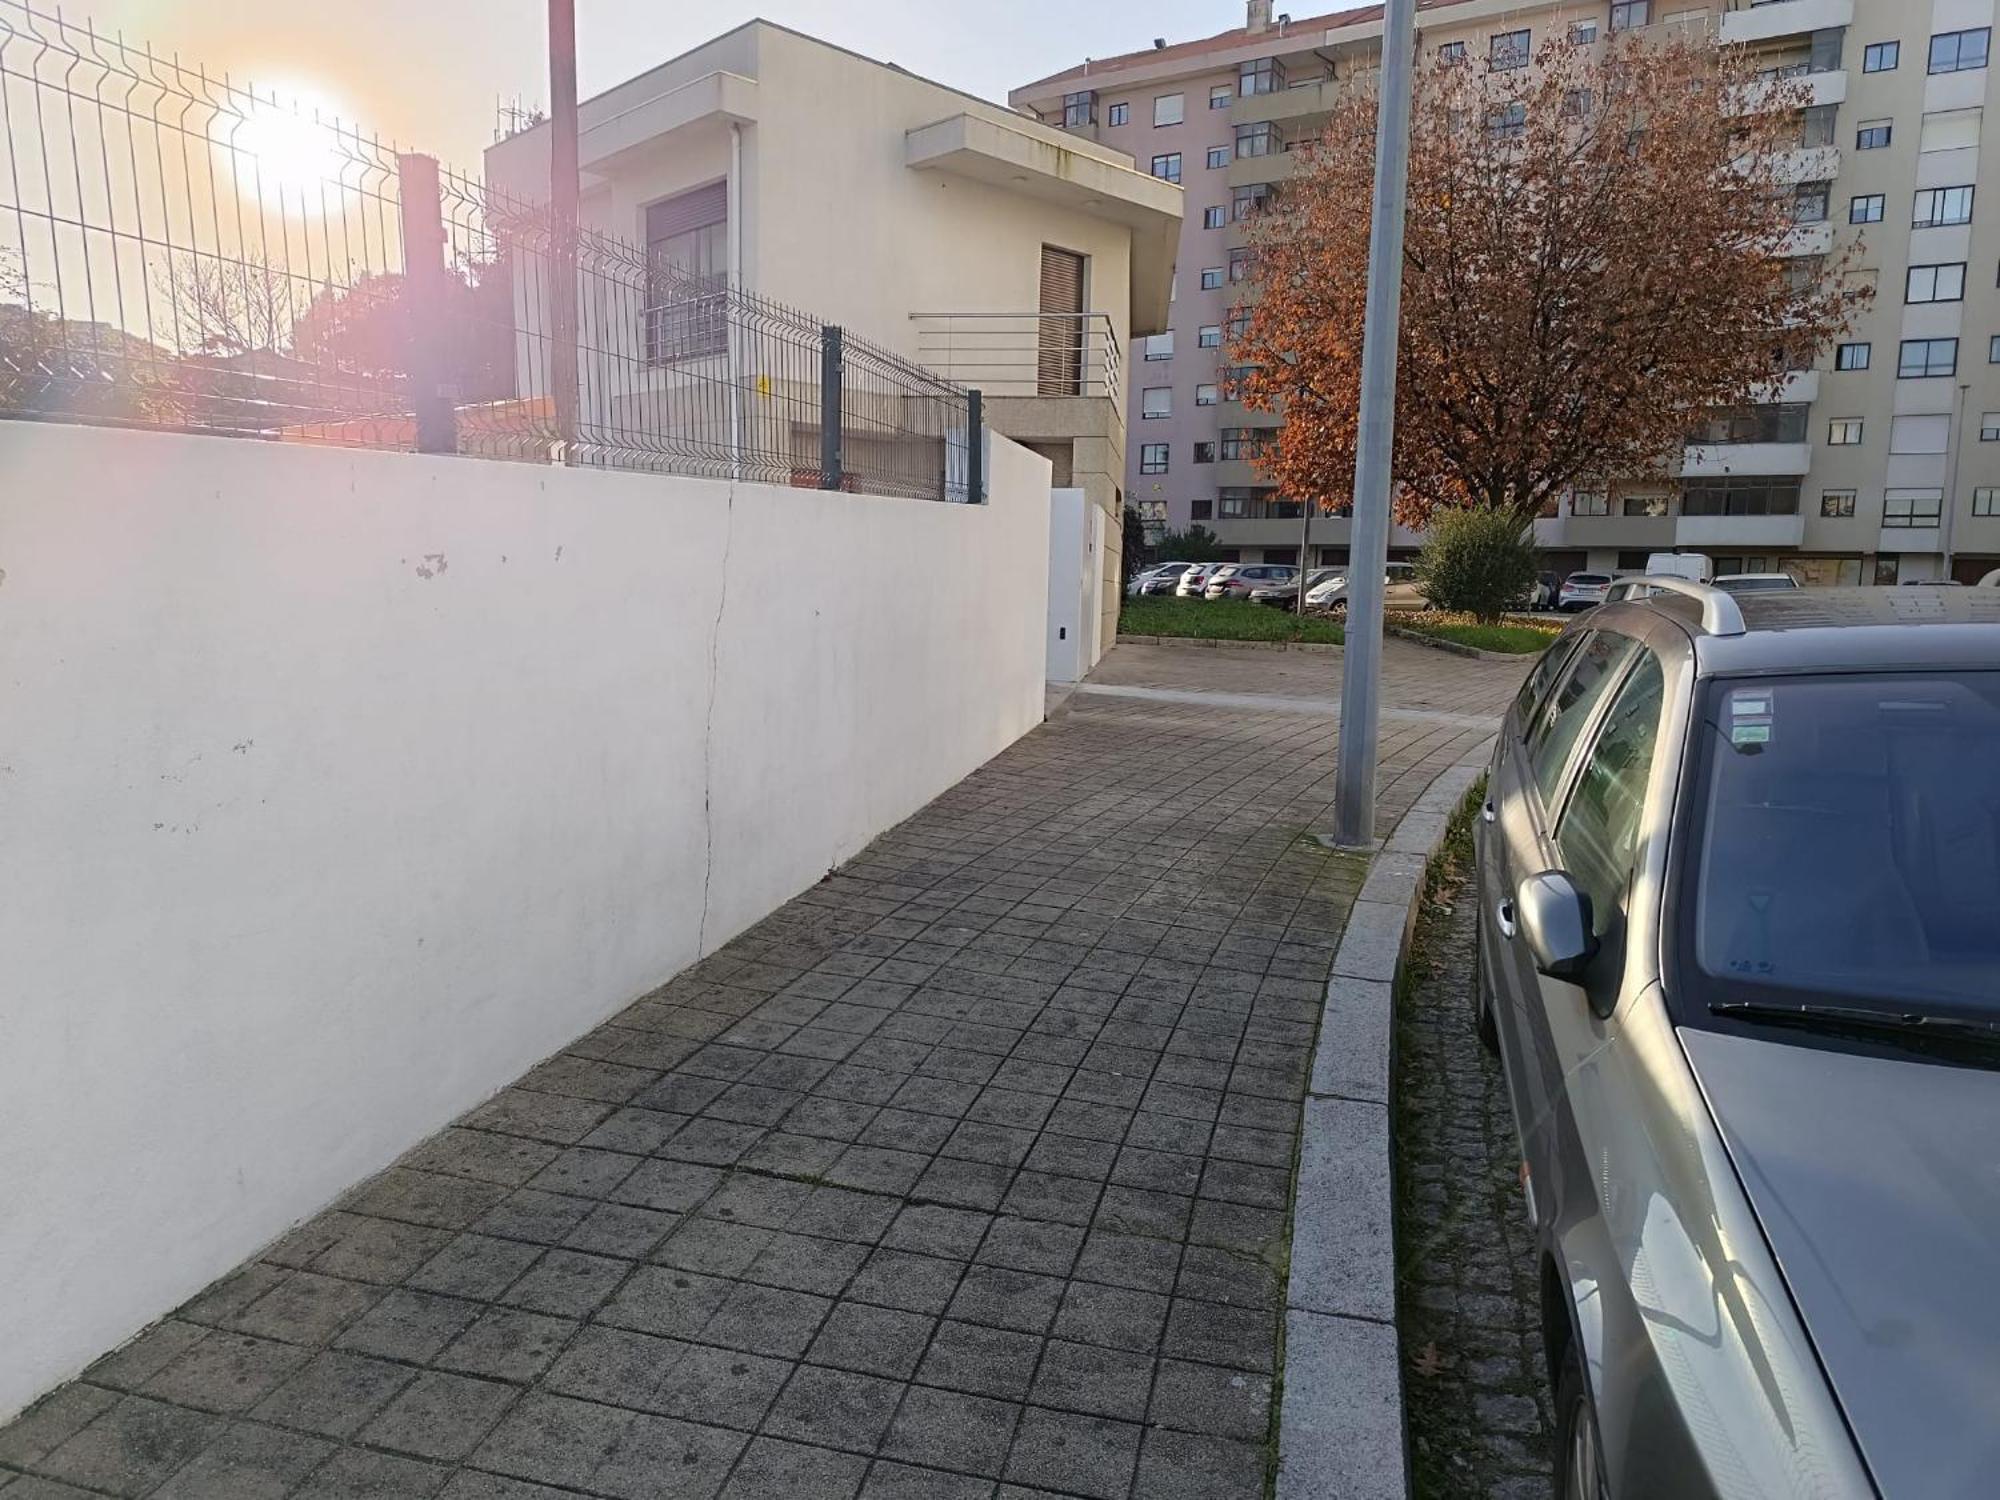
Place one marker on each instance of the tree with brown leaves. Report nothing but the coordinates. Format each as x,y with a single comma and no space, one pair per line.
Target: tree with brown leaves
1593,259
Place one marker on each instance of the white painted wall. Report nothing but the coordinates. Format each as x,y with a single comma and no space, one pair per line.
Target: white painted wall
340,787
1071,604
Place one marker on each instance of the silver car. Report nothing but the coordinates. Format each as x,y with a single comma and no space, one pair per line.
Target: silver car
1739,872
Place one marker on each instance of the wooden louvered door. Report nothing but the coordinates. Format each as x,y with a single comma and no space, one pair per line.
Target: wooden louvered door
1059,330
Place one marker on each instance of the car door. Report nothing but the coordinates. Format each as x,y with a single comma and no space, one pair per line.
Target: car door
1400,590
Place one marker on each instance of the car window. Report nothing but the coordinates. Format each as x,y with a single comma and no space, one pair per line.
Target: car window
1559,722
1598,836
1554,658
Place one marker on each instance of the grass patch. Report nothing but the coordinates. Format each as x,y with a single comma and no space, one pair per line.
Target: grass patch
1515,636
1222,620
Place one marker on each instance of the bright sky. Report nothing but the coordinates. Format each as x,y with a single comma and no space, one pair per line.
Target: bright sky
427,73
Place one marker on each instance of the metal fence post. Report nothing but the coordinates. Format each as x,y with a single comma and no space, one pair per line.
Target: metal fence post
829,407
424,302
975,448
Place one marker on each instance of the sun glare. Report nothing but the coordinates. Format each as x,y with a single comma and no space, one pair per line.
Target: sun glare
287,147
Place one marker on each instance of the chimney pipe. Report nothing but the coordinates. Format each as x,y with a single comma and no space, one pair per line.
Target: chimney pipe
1259,19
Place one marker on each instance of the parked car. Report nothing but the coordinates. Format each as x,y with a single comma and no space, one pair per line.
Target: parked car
1542,593
1286,595
1237,580
1194,580
1158,579
1582,591
1737,872
1695,566
1400,591
1754,583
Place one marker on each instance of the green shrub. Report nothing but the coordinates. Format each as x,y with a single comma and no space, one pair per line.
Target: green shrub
1479,562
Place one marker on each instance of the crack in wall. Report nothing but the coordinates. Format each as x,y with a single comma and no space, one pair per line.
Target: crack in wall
708,729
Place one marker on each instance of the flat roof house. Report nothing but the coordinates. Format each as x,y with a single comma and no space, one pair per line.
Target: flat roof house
1001,252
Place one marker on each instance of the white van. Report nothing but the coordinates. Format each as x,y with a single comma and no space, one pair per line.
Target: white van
1693,566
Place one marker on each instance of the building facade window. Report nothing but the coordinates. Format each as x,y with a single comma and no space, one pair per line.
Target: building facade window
1945,283
1784,423
1843,432
1240,263
1582,33
1204,453
1160,345
1816,125
1989,427
1451,54
1887,568
1509,122
1209,336
1837,505
1079,109
1259,140
1851,357
1206,395
1865,208
1167,166
1881,57
1993,350
1248,199
1119,114
1986,501
1264,76
1211,278
1507,49
1218,156
1589,503
1958,51
1156,401
1214,218
1643,505
1202,510
1169,109
1919,358
1936,206
1152,458
1740,497
1912,510
1220,96
1629,15
1235,381
1243,442
1872,135
1237,325
687,237
1809,200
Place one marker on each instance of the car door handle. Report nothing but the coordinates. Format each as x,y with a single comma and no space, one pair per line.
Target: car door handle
1503,917
1489,812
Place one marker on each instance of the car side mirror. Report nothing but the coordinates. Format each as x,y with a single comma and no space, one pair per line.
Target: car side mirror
1556,922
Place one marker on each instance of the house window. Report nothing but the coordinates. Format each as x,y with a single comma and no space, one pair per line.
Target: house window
1993,350
1935,283
1218,156
1809,201
1264,76
687,239
1169,109
1211,278
1119,114
1258,140
1629,15
1576,103
1836,505
1589,503
1873,135
1865,208
1843,432
1243,442
1156,401
1958,51
1816,125
1752,424
1740,497
1202,510
1986,501
1152,458
1989,427
1160,345
1582,33
1079,109
1881,57
1912,510
1219,95
1643,505
1167,166
1851,357
1918,358
1204,453
1209,336
1507,49
1214,218
1206,395
1240,262
1233,504
1887,566
1235,380
1509,122
1153,511
1248,200
1936,206
1451,54
1238,324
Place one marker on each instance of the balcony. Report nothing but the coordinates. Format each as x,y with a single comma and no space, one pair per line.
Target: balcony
1240,474
1023,354
1806,164
1276,166
1303,102
1719,460
1820,88
1750,21
1627,533
1236,414
1796,388
1909,539
1740,531
1804,239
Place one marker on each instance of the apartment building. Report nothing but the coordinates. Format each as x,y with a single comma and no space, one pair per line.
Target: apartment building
948,229
1879,464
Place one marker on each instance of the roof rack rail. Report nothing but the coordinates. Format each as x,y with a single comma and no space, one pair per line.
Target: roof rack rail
1719,612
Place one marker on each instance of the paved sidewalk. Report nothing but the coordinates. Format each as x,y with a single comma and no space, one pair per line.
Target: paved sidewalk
963,1174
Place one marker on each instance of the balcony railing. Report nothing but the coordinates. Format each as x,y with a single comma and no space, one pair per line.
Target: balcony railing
1023,354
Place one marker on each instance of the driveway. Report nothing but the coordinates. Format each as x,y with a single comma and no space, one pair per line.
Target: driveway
964,1174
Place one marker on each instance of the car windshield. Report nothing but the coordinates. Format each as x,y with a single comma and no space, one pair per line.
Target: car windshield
1753,585
1849,841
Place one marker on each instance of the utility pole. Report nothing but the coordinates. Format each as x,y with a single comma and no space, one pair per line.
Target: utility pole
1361,682
563,192
1306,508
1951,481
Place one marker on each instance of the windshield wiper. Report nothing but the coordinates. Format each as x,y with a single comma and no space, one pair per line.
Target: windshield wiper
1905,1025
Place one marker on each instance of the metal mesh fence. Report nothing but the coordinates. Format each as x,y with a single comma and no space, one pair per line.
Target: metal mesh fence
178,252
